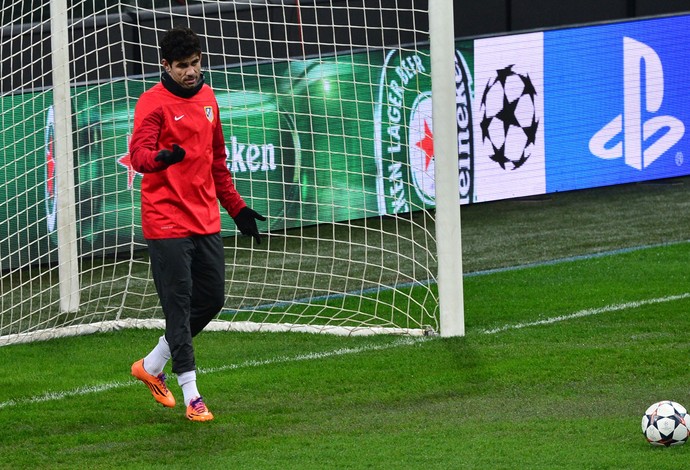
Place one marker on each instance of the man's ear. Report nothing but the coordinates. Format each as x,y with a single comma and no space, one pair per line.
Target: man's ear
166,65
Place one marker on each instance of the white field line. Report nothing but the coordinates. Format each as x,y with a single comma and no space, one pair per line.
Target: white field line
587,312
406,341
86,390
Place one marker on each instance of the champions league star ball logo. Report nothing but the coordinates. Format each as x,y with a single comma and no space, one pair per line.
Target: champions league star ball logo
508,118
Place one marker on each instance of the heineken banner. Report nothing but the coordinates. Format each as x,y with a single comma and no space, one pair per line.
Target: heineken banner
307,141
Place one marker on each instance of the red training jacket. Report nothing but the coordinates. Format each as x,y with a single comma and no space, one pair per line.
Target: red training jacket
180,200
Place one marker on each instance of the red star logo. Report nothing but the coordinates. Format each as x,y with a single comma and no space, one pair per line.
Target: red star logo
427,145
126,162
50,169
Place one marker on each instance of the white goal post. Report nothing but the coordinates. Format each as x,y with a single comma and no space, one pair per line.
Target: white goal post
341,127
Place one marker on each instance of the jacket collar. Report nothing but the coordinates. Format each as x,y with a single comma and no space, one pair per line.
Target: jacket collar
173,87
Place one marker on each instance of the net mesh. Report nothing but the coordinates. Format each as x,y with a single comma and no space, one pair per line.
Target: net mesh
319,104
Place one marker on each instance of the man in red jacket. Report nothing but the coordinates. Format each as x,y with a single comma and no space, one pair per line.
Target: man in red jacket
178,145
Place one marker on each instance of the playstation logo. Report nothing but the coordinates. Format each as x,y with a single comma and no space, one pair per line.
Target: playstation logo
643,85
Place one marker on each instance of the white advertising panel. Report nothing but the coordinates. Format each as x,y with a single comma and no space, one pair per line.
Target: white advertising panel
509,117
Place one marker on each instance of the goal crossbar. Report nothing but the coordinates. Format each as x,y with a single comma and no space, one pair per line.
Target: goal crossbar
339,121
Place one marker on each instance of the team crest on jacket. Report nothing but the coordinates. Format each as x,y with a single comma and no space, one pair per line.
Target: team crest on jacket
209,113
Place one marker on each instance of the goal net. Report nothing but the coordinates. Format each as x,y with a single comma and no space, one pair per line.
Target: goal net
326,112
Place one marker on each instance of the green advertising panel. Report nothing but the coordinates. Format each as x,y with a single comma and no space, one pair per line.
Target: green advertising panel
22,178
307,141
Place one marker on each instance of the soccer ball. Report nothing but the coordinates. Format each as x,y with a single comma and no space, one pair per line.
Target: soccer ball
666,424
509,120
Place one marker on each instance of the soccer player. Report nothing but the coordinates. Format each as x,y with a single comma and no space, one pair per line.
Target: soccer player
178,145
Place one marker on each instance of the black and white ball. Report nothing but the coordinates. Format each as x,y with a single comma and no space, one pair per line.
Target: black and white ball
665,423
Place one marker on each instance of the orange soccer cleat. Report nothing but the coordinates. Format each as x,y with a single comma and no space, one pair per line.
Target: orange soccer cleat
155,383
197,410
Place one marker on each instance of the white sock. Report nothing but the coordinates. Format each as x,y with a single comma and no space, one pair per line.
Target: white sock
158,357
187,381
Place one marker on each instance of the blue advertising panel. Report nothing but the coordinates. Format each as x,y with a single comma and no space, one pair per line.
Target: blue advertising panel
617,103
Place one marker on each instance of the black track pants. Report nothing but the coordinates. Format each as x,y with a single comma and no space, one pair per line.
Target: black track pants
189,274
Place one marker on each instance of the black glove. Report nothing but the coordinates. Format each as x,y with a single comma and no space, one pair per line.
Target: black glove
168,157
246,223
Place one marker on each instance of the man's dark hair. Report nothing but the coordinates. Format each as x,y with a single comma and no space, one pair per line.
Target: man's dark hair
179,43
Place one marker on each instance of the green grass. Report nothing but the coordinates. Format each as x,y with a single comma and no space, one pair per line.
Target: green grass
517,392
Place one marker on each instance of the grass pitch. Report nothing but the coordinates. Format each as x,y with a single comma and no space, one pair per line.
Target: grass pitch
559,361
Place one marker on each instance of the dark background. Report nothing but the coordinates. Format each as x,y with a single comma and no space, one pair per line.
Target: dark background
122,41
483,17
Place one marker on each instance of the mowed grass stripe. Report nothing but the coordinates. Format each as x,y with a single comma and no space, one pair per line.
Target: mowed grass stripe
91,389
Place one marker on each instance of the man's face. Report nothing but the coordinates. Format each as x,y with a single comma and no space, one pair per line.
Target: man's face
185,72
